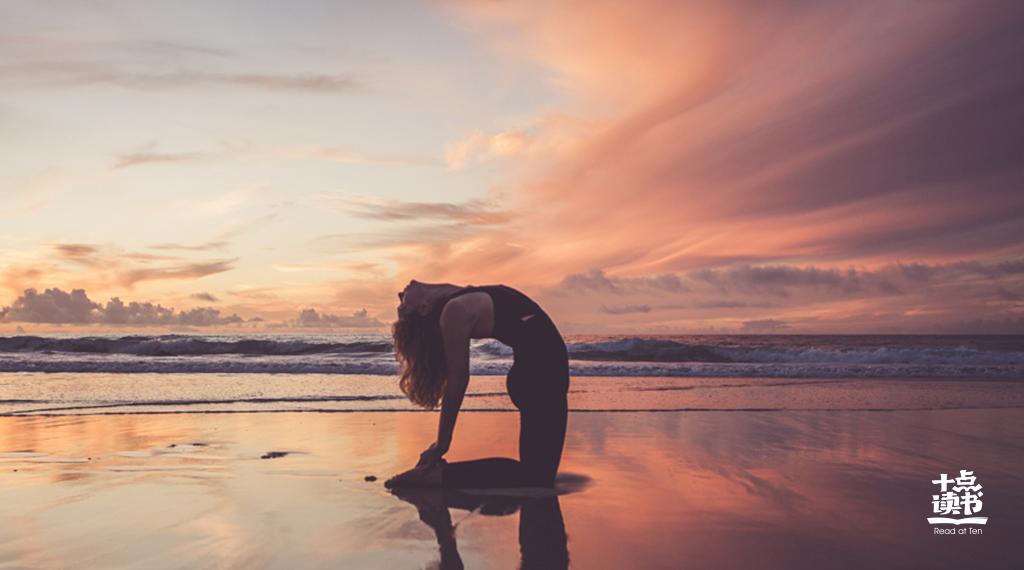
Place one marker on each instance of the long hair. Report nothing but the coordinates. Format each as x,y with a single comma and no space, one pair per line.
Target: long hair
419,349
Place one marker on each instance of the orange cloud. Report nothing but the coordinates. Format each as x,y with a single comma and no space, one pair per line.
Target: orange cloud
721,136
196,270
101,268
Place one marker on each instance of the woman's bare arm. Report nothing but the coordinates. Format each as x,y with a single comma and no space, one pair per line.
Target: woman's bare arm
457,321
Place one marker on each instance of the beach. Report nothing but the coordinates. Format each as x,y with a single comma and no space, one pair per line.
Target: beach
671,489
270,451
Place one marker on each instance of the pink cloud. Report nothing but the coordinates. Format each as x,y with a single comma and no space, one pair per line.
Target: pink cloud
724,134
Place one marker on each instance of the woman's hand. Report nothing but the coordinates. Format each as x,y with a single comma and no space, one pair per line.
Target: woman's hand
419,476
431,455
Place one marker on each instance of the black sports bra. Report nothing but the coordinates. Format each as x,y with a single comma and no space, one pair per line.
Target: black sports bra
512,310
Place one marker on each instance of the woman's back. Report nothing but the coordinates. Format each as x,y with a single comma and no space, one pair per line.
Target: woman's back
516,316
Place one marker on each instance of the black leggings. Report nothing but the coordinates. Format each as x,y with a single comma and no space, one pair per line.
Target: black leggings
538,384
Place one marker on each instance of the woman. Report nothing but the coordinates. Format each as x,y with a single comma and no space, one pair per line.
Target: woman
432,334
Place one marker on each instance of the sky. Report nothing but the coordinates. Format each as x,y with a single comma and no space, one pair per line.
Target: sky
645,166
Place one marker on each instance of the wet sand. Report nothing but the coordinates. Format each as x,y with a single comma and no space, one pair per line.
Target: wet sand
709,489
78,393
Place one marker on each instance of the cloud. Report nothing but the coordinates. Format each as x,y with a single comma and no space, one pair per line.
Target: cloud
748,146
16,278
734,175
625,309
368,268
186,271
597,280
149,155
237,225
477,212
897,297
80,253
206,246
479,145
25,46
331,154
358,319
779,280
785,281
205,297
762,326
59,307
548,137
52,306
593,280
127,160
79,74
110,266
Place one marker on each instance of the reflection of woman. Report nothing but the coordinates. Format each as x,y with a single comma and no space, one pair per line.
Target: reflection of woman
432,334
542,538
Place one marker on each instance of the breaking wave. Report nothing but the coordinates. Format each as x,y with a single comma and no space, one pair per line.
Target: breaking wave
187,345
711,356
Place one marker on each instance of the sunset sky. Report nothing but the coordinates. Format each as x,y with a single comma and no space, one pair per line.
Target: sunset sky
642,166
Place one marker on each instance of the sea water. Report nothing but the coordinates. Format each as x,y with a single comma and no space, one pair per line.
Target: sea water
119,373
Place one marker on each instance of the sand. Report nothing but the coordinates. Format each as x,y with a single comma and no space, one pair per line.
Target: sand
711,489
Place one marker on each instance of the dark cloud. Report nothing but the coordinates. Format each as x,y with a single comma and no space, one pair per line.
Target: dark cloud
82,254
205,297
52,306
982,325
60,307
780,280
899,297
597,280
358,319
767,281
625,309
73,250
762,326
716,304
593,280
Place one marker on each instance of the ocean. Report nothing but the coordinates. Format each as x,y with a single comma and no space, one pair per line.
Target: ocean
119,373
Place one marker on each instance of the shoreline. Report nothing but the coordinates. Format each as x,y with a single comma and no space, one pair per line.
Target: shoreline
509,411
110,394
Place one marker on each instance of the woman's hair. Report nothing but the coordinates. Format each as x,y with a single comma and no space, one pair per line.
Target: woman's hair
419,348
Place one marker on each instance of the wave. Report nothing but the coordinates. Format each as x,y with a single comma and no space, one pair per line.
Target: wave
577,368
639,349
630,349
186,345
698,356
644,350
874,356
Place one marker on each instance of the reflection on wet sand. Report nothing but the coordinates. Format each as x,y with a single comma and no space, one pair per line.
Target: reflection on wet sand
705,490
542,538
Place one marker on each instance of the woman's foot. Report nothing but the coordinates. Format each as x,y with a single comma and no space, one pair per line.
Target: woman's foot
424,476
